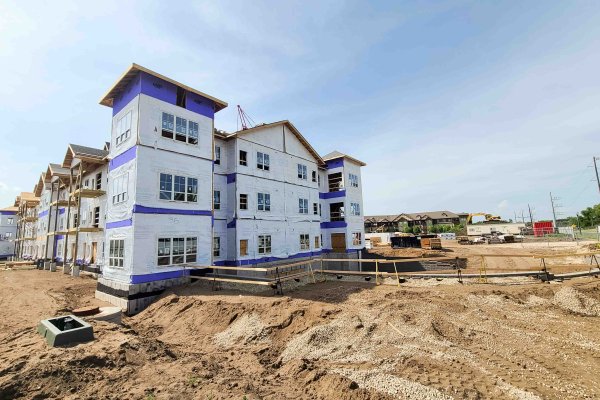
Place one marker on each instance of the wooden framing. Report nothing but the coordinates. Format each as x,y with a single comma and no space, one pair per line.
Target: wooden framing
88,193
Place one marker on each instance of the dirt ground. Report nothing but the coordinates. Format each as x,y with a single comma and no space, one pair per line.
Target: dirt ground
340,339
503,257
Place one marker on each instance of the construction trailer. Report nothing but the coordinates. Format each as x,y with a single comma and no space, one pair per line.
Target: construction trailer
169,195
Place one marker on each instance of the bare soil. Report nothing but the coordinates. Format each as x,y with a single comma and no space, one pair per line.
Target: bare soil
505,256
340,339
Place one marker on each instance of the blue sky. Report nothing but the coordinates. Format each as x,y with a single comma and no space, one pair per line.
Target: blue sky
459,105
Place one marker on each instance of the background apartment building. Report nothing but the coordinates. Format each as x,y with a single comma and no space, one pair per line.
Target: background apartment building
8,231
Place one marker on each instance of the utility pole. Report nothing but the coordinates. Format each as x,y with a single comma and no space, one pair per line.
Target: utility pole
596,169
553,211
530,215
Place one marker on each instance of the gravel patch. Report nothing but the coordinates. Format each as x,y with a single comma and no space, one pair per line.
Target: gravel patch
248,328
392,384
570,299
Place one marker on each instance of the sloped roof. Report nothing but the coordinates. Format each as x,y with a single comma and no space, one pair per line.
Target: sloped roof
336,154
24,197
37,190
56,169
83,152
292,128
411,216
131,73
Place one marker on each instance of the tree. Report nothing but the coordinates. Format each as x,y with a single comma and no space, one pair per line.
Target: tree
416,229
588,218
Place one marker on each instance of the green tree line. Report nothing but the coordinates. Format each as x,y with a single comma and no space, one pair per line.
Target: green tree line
588,218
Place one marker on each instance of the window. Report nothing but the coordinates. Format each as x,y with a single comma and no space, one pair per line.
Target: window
243,158
314,176
354,209
96,216
302,173
75,221
193,132
119,194
191,249
243,247
8,235
180,129
99,181
177,250
10,220
216,200
303,206
353,179
217,155
167,125
356,239
264,244
304,242
243,201
264,202
192,190
123,128
86,183
178,188
262,161
317,242
216,246
116,253
315,208
164,251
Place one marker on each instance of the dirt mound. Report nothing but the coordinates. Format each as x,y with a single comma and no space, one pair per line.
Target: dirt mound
332,340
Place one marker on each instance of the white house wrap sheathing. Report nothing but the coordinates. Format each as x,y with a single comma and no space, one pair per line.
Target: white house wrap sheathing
155,217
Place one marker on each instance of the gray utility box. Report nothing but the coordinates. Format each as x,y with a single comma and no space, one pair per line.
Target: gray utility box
64,330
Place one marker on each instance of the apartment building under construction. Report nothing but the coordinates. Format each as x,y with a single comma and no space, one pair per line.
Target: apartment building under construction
169,194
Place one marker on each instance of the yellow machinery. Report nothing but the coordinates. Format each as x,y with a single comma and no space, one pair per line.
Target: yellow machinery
488,217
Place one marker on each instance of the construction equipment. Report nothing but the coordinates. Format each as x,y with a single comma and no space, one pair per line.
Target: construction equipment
244,119
463,240
433,243
488,217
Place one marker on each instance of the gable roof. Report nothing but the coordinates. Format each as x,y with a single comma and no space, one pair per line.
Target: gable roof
411,216
37,190
84,153
56,170
292,128
131,73
336,154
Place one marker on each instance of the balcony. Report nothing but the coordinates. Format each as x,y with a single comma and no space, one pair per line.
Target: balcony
60,203
85,229
336,182
336,212
88,193
53,233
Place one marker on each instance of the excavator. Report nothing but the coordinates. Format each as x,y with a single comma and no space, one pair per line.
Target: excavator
488,217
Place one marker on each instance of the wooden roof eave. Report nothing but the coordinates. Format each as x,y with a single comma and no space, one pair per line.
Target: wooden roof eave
134,69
